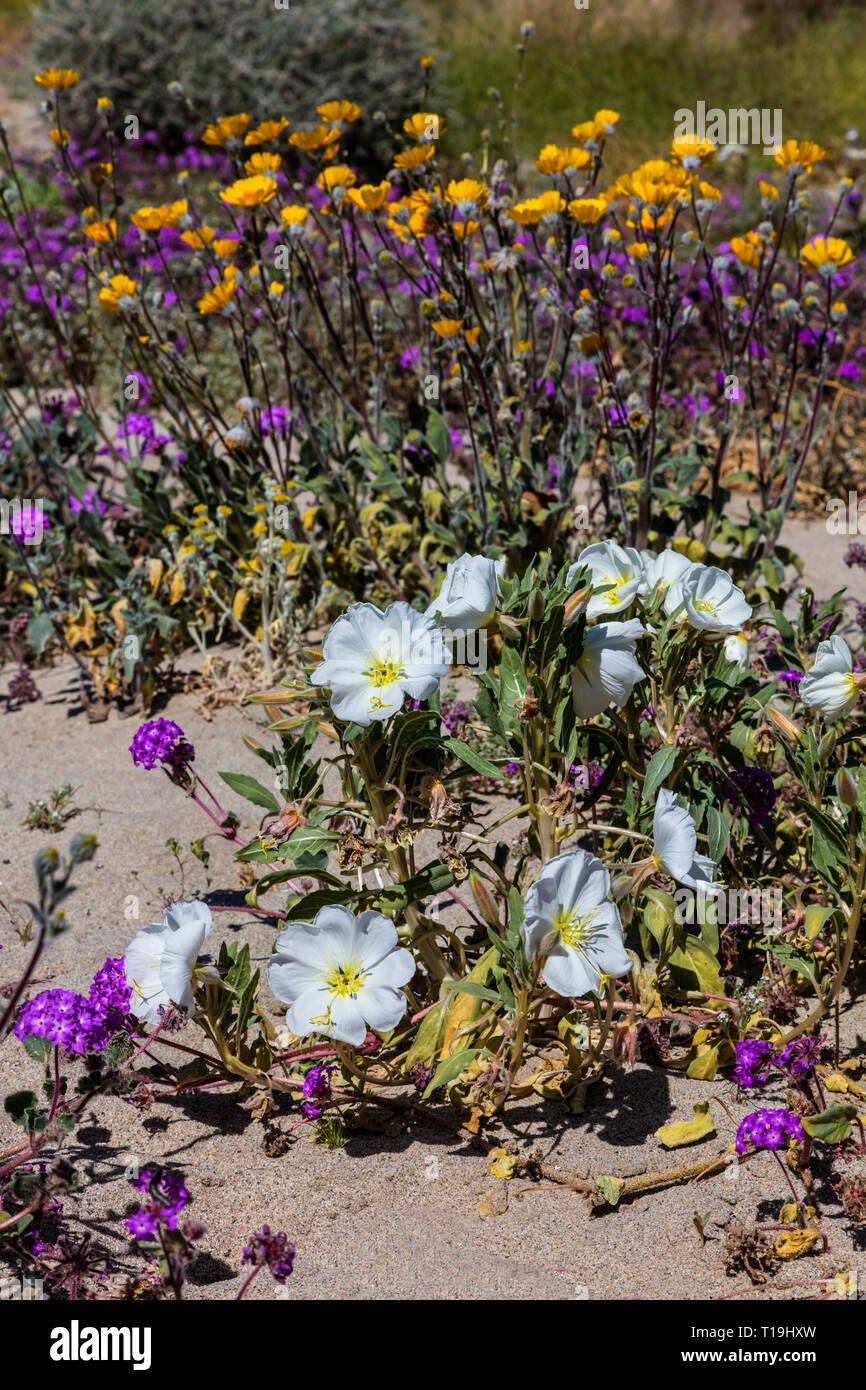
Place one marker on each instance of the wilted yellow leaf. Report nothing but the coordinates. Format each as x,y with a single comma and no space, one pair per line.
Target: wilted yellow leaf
175,593
502,1165
239,603
117,612
155,570
673,1136
792,1245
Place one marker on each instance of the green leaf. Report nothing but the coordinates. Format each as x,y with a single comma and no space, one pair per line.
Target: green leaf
682,1132
611,1189
438,436
512,688
468,755
694,966
660,765
469,987
251,790
718,833
19,1105
450,1068
832,1126
40,1048
39,630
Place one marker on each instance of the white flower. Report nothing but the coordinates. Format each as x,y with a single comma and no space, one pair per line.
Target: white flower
675,841
713,601
830,686
665,573
568,919
608,563
607,671
467,599
373,660
736,648
159,962
340,973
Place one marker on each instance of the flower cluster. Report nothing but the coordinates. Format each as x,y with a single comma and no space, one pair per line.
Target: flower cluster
768,1129
271,1248
65,1019
755,1059
76,1023
317,1086
168,1197
161,741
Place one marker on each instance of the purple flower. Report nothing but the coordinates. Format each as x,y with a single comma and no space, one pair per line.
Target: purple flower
111,993
768,1129
90,502
167,1192
66,1019
142,1224
800,1056
756,792
28,523
754,1059
274,1250
792,680
855,555
161,741
317,1084
275,419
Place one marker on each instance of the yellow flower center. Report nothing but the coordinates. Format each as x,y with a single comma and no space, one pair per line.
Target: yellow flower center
345,979
706,605
575,930
383,671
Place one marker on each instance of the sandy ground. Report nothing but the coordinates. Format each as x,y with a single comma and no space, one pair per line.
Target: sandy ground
391,1214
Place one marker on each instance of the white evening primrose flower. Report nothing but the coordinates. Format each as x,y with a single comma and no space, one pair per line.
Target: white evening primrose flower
467,598
713,601
830,686
607,671
736,648
570,922
373,660
610,564
675,841
159,963
664,575
341,974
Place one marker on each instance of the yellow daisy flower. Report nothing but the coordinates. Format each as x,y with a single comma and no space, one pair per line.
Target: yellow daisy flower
414,157
370,197
220,296
339,112
225,129
267,131
798,156
309,140
424,126
826,255
118,294
336,176
56,79
101,232
249,193
263,163
587,211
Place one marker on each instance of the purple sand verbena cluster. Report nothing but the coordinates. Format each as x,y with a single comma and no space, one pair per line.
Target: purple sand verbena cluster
768,1129
161,741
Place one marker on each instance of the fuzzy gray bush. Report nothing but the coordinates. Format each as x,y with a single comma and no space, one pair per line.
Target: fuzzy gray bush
233,55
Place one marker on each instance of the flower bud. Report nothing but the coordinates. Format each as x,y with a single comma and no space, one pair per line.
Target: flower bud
827,744
537,605
575,605
846,787
484,899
